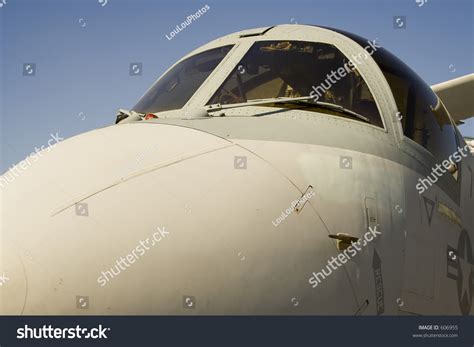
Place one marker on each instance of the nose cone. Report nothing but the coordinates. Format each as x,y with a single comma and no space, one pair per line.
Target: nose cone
75,208
158,219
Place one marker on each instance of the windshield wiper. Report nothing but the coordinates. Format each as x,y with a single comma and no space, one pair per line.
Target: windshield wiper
305,100
337,108
255,102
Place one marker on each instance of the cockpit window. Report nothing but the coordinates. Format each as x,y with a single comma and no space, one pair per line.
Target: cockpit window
273,69
174,89
424,118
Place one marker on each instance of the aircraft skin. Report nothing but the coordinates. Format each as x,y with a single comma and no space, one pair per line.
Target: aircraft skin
220,249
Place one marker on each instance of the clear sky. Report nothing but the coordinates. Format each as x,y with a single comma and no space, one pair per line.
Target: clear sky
83,49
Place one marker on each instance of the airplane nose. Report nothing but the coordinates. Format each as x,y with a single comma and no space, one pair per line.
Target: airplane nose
150,218
86,200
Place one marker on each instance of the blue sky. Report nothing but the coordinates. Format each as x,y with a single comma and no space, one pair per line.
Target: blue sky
83,49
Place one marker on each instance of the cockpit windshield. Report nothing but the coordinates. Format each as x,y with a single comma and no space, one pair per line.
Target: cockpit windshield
176,87
291,69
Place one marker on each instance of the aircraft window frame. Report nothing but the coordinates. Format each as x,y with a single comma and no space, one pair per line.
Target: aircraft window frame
420,90
230,48
380,125
395,65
